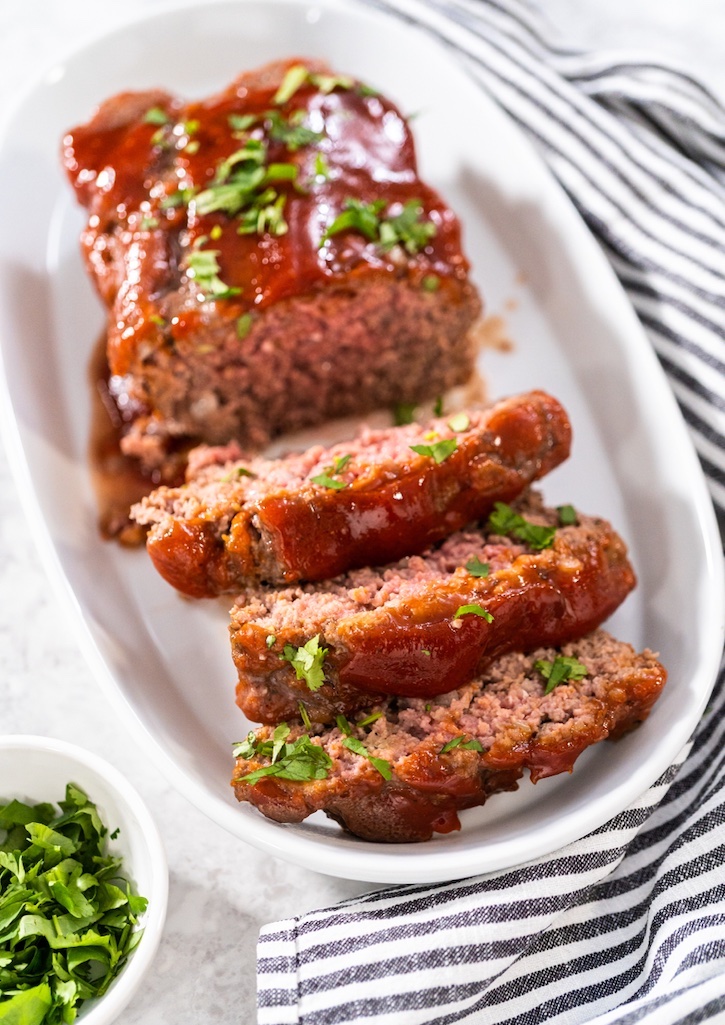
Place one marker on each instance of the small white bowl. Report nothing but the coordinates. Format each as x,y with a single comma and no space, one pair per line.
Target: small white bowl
35,769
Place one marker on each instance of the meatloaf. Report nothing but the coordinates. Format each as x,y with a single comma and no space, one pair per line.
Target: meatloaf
269,259
427,624
405,768
314,515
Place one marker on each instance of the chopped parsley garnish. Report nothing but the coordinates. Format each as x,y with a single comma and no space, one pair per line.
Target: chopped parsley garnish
430,283
477,568
300,761
242,188
438,406
404,413
305,715
292,133
438,451
179,198
307,661
406,228
244,325
465,745
270,640
236,473
561,669
567,515
328,83
67,913
294,78
504,520
324,480
148,223
473,610
343,725
265,214
327,479
156,116
369,719
203,267
357,216
242,122
322,168
357,747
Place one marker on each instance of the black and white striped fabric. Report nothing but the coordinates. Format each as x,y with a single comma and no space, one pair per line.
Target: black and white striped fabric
628,924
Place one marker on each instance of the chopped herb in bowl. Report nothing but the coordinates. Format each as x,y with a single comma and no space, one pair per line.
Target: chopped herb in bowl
68,914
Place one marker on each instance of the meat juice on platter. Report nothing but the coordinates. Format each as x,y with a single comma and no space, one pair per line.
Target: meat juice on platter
270,259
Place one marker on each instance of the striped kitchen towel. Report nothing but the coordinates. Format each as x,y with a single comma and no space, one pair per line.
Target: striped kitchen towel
628,924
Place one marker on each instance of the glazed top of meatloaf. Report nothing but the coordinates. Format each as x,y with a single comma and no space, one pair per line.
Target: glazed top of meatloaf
290,179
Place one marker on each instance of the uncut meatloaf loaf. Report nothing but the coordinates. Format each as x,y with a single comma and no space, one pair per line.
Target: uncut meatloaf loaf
427,624
314,515
269,259
407,766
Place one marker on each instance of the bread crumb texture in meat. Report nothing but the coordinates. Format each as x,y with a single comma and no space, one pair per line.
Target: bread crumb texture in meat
269,259
402,769
427,624
313,515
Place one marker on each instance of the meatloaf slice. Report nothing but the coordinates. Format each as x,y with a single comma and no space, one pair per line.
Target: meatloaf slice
269,259
427,624
315,515
407,766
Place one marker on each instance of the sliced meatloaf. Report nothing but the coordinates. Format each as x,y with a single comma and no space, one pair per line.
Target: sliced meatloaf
427,624
314,515
269,258
405,768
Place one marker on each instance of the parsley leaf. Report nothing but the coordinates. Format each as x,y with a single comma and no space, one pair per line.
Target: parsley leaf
242,122
439,451
465,745
504,520
567,515
404,413
203,267
156,116
292,133
68,913
307,661
406,228
357,747
563,668
477,568
474,610
294,78
300,761
324,480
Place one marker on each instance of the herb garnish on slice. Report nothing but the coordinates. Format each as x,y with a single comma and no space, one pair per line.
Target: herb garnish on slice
439,451
465,745
203,267
474,610
156,116
408,228
477,568
327,479
300,761
307,661
563,668
567,515
504,520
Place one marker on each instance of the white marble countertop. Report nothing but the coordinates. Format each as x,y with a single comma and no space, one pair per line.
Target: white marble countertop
221,891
